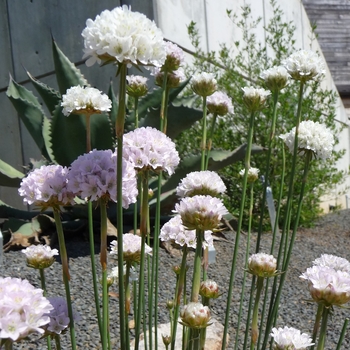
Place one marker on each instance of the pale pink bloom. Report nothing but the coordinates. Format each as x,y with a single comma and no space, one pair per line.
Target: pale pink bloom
333,261
262,265
289,338
40,256
195,315
219,103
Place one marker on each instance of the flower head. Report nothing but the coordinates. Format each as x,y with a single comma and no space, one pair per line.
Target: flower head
253,174
59,318
174,57
200,212
276,78
204,84
312,136
304,65
289,338
328,286
150,149
82,100
46,186
131,248
123,36
219,103
201,183
333,261
40,256
255,99
174,231
195,315
22,309
209,289
137,85
262,265
174,78
93,176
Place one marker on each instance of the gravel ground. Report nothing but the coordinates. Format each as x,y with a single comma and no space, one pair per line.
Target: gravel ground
331,235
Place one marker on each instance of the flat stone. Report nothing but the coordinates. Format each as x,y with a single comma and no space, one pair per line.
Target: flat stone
213,337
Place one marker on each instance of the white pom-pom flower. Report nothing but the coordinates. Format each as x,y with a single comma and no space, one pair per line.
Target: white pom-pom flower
40,256
276,78
219,103
204,84
288,338
333,261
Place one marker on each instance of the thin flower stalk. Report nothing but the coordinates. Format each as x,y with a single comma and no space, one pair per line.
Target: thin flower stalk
255,328
65,270
119,127
210,140
204,134
342,334
58,342
323,332
196,281
136,111
238,234
144,234
275,304
103,260
319,313
178,292
249,312
251,202
164,102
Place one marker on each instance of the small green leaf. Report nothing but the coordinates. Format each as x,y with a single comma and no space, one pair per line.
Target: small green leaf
9,176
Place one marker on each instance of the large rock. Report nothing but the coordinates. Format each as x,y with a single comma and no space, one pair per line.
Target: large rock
213,338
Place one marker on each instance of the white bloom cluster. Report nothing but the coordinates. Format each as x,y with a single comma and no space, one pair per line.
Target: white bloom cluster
288,338
261,264
80,100
40,256
174,231
327,285
22,309
201,183
131,248
46,186
123,36
150,149
204,84
200,212
195,315
255,98
219,103
333,261
304,65
253,174
276,78
312,136
93,175
137,85
59,318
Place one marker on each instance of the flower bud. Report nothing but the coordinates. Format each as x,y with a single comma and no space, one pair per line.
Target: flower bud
137,86
209,289
166,339
204,84
276,78
40,256
254,99
170,304
253,174
195,315
262,265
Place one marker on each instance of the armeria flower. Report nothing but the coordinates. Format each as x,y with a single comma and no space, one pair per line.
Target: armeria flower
253,174
174,78
150,149
289,338
204,84
209,289
219,103
195,315
93,176
137,85
255,99
40,256
174,57
312,136
113,275
174,231
22,309
59,318
121,35
328,286
262,265
46,186
201,183
131,248
304,65
276,78
201,212
333,261
82,100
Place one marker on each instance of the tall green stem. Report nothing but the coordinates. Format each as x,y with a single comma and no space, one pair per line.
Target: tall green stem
255,328
119,127
323,331
65,272
196,281
136,99
342,334
238,234
319,313
204,134
210,139
58,342
164,103
43,287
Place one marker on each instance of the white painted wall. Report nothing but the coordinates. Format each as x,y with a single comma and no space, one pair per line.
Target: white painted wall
173,17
